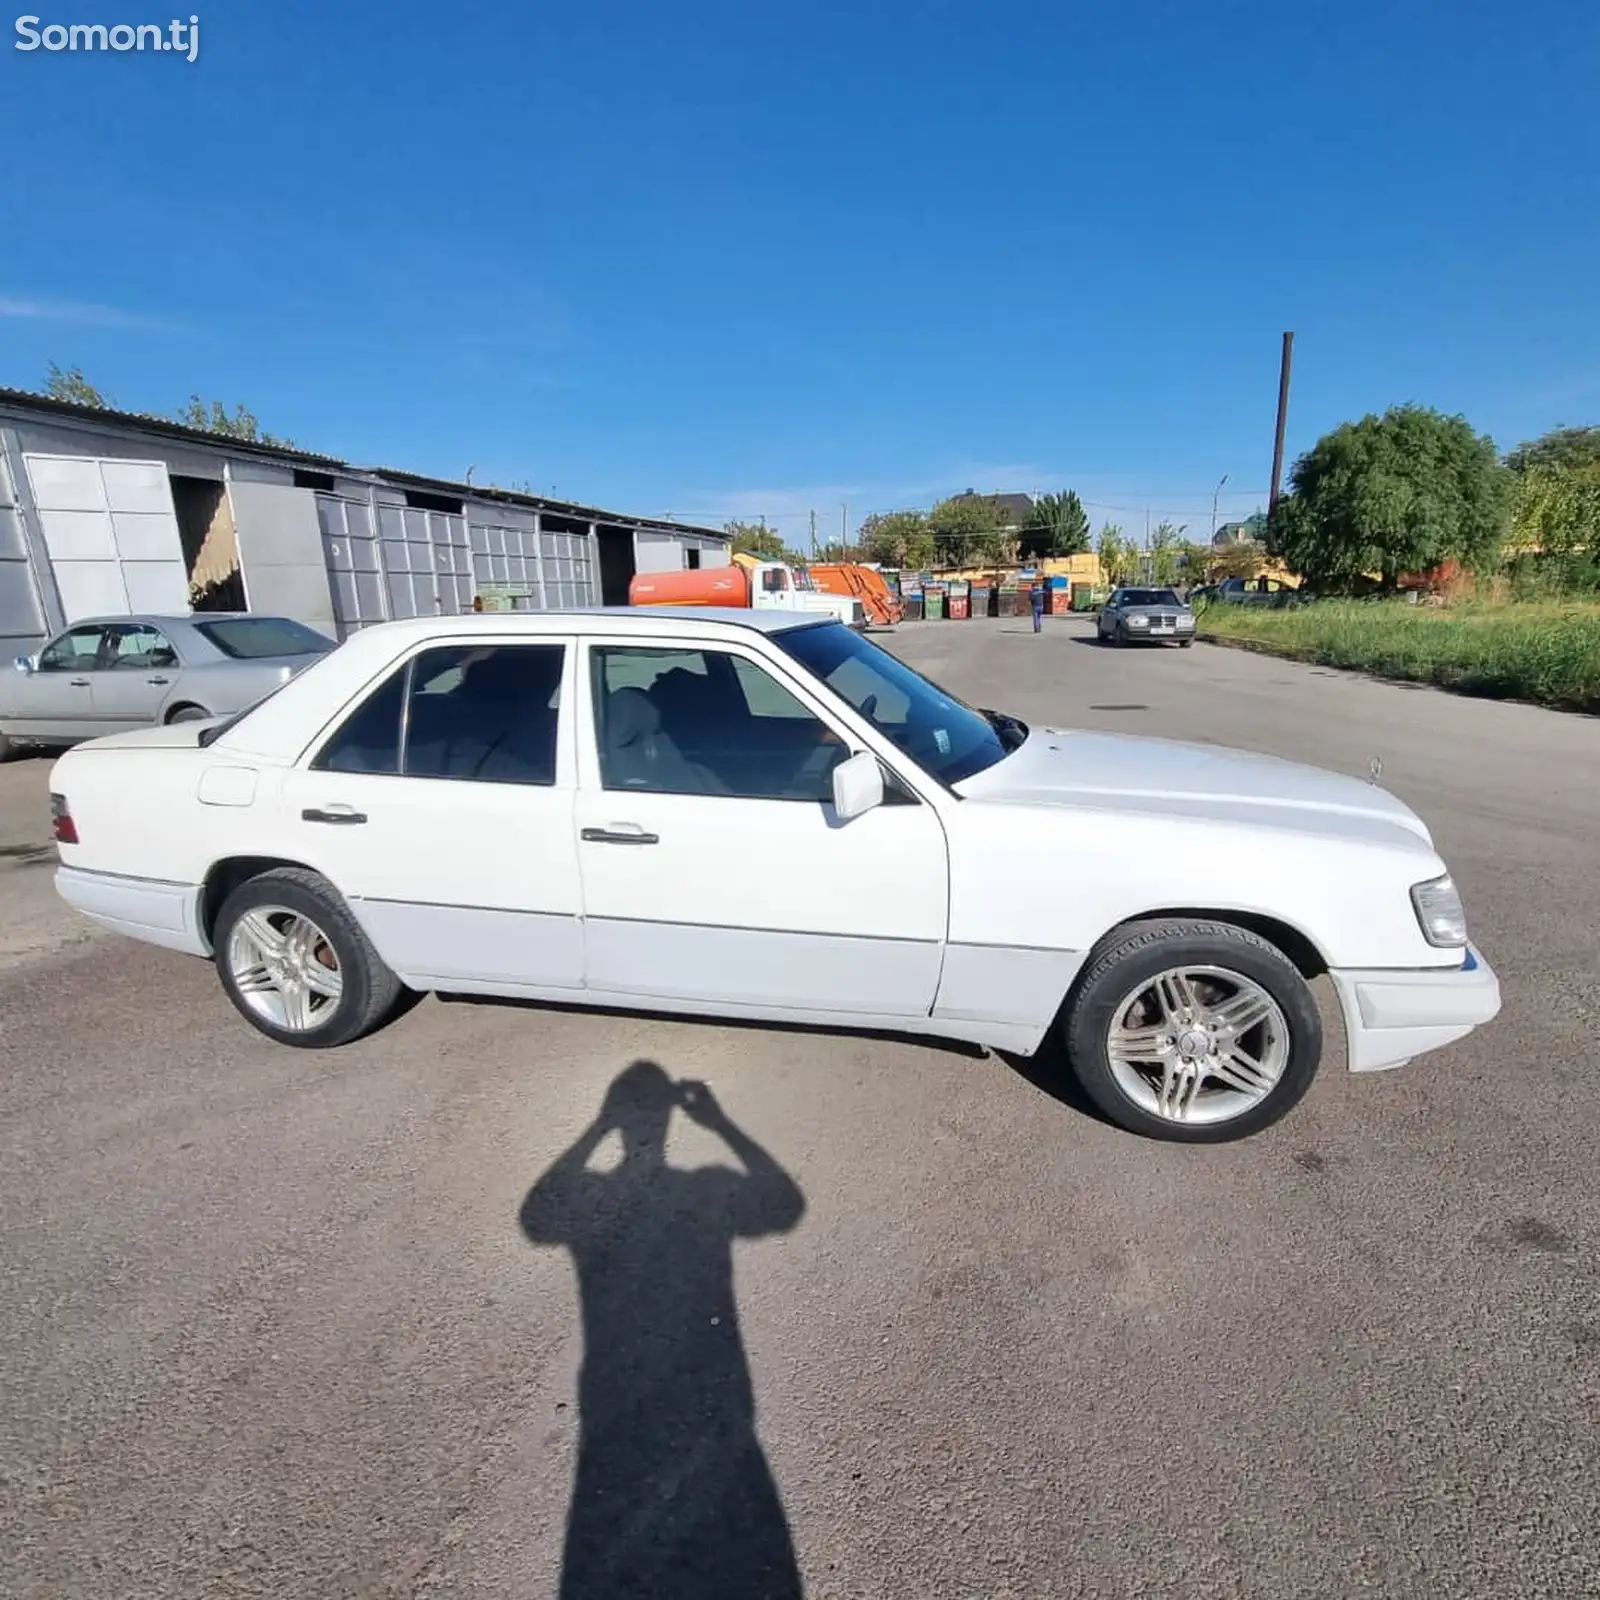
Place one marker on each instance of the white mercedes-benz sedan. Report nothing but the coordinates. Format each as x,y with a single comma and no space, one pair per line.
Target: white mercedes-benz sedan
763,815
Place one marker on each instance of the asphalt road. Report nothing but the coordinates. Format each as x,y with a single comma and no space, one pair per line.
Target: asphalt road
281,1324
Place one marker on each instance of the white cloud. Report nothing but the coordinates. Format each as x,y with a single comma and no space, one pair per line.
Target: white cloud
81,313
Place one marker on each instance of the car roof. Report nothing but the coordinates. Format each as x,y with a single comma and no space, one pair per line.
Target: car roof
165,619
644,619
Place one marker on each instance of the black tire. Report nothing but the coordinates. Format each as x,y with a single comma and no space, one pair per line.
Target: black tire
1184,644
370,992
190,714
8,747
1142,950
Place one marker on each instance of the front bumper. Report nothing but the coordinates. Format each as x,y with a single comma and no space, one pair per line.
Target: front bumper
1391,1016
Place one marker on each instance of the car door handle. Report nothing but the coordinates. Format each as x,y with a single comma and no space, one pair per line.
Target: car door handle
80,683
158,680
340,814
619,836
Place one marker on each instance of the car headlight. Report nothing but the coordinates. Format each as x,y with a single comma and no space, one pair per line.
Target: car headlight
1138,622
1439,910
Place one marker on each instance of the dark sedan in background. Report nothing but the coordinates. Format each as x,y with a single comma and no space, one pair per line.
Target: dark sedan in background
107,674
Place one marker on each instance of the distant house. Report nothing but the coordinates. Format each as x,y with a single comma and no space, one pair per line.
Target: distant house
1013,510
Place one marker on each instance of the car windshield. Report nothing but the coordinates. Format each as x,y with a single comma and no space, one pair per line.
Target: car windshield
252,638
943,736
1149,597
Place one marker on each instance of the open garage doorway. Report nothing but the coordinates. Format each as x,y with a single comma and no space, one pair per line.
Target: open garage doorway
616,564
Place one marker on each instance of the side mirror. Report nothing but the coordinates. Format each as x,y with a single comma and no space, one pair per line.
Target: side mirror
26,664
857,785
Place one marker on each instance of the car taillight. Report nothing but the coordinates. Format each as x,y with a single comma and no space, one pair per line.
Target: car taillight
66,830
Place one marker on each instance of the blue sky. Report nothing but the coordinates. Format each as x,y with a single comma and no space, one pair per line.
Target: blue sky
744,259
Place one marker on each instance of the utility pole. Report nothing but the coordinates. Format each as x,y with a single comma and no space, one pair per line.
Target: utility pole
1283,417
1216,494
813,536
844,527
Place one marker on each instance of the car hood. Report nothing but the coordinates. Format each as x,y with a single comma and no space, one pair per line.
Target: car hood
1131,773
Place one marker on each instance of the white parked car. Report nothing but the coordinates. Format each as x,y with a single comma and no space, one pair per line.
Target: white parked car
766,816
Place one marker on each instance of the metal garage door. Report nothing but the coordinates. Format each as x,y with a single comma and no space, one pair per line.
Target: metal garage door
350,545
425,563
111,533
23,626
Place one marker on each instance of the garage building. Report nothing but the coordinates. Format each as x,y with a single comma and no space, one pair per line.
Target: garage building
109,513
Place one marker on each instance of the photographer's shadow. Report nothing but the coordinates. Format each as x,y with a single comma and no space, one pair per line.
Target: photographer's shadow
672,1496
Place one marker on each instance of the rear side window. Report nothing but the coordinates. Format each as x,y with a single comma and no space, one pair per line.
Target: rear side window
469,713
252,638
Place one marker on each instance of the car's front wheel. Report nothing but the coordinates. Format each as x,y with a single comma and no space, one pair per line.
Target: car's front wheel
297,964
8,747
190,714
1193,1031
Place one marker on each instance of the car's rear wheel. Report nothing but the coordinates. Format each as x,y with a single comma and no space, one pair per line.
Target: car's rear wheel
297,964
190,714
1193,1031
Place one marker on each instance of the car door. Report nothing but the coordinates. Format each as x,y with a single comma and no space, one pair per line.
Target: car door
136,671
1109,612
441,807
715,871
56,699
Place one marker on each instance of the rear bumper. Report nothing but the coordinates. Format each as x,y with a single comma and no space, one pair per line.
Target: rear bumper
1391,1016
157,912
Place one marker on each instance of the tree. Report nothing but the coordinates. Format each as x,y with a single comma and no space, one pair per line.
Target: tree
900,539
240,423
214,417
1166,553
756,539
1555,513
968,531
1194,561
1556,510
1561,449
1118,555
1390,495
1059,526
72,385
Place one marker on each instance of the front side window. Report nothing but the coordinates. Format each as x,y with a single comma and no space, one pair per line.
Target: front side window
471,713
706,722
77,650
943,736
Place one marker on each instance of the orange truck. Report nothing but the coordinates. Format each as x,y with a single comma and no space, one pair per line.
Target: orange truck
880,603
758,585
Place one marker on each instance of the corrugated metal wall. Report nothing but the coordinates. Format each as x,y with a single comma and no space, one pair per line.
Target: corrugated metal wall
418,563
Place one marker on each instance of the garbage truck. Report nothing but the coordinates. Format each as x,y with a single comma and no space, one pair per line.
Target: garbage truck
867,584
747,583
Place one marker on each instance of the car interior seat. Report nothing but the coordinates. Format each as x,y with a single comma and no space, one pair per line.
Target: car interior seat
639,755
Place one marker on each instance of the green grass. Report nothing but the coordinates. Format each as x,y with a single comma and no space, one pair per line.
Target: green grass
1546,652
